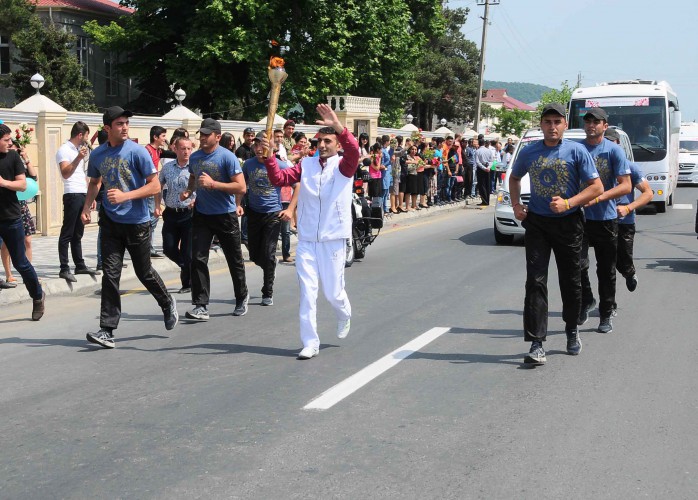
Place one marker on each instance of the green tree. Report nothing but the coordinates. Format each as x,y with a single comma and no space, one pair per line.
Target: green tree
561,95
511,119
446,72
218,51
49,50
15,14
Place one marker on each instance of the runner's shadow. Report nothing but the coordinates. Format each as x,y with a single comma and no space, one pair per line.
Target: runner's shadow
470,358
68,342
519,312
218,349
495,333
678,265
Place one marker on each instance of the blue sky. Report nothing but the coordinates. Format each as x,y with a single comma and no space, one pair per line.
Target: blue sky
550,41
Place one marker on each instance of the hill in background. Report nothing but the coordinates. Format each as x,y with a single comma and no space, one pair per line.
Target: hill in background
524,92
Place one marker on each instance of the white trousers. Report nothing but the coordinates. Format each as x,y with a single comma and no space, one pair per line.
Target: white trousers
315,263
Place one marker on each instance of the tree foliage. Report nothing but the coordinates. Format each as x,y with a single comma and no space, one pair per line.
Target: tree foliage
511,119
49,50
561,95
217,51
15,14
446,72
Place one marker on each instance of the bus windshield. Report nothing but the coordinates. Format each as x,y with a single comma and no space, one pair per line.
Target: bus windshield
642,118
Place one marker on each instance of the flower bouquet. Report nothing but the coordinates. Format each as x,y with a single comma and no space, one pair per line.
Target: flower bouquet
23,135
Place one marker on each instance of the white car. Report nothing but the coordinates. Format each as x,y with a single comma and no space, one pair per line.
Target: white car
506,227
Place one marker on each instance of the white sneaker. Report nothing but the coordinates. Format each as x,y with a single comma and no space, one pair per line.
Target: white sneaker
308,352
343,327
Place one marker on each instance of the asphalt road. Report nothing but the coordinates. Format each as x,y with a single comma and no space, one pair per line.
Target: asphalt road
216,410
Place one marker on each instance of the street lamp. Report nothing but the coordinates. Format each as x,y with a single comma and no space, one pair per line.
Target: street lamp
409,118
37,82
180,95
443,122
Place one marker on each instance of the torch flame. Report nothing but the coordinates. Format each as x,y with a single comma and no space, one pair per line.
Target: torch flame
276,62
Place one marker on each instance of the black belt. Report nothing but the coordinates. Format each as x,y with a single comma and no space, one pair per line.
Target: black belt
178,210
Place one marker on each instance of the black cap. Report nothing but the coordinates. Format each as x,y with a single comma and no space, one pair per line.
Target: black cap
260,135
248,130
612,135
598,113
111,114
209,125
555,108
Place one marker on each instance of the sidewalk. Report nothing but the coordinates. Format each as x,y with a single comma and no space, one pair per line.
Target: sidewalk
45,259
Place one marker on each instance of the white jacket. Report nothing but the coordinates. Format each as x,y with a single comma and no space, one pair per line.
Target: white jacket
324,203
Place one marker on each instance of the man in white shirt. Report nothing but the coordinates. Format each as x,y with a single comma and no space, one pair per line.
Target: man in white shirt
70,159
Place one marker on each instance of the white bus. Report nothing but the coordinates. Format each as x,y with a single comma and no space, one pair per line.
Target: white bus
648,111
688,153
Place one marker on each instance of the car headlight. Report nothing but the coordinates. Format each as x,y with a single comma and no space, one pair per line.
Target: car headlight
504,198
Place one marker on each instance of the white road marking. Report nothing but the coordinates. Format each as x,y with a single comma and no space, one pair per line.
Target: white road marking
348,386
682,206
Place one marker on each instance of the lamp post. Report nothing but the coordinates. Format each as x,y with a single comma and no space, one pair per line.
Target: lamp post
409,118
37,82
443,122
180,95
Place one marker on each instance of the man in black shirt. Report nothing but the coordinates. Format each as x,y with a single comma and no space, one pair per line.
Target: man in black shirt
13,178
245,151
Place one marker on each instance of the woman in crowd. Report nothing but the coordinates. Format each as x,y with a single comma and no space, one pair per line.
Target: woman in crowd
421,184
411,189
228,141
403,199
375,184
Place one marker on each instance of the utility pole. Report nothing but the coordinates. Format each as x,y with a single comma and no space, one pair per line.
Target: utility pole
481,76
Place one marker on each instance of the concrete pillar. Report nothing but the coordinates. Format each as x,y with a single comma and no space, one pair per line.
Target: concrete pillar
359,114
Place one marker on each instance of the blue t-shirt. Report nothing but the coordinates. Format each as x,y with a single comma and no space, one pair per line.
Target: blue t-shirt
221,165
124,167
262,196
610,163
636,177
554,171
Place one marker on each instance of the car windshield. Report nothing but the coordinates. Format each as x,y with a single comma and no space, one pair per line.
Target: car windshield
688,146
642,118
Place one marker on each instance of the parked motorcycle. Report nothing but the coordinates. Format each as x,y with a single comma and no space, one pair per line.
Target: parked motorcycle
366,215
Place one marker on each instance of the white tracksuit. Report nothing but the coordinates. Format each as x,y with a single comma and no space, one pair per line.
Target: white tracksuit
324,224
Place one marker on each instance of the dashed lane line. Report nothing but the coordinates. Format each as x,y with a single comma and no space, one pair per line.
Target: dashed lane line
348,386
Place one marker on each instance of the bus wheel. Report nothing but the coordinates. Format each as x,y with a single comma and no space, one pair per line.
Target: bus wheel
661,207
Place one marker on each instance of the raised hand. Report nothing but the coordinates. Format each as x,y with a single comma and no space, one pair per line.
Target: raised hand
328,118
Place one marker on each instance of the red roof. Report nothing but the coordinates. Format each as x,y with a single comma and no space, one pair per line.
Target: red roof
103,6
500,96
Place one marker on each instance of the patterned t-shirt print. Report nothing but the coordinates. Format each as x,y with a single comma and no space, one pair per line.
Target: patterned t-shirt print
549,176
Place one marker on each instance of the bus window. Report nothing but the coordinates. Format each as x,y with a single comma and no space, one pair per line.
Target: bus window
688,147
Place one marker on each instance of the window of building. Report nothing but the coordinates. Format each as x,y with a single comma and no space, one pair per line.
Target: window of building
82,53
4,55
111,76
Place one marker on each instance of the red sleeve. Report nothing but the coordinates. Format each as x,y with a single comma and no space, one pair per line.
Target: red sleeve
285,177
350,161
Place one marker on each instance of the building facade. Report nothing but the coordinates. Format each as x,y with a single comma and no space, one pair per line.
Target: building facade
98,66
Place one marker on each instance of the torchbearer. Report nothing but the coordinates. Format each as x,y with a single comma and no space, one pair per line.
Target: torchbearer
324,223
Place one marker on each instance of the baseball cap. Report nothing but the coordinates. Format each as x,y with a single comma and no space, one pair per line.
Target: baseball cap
612,134
209,125
248,130
111,114
554,107
260,135
289,123
598,113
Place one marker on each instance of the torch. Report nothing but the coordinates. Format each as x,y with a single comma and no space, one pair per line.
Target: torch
277,76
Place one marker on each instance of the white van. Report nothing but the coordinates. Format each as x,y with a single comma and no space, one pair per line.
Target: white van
688,153
505,224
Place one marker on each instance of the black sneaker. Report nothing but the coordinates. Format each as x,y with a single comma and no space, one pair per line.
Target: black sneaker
574,343
631,282
606,326
584,312
241,306
103,337
171,315
536,356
